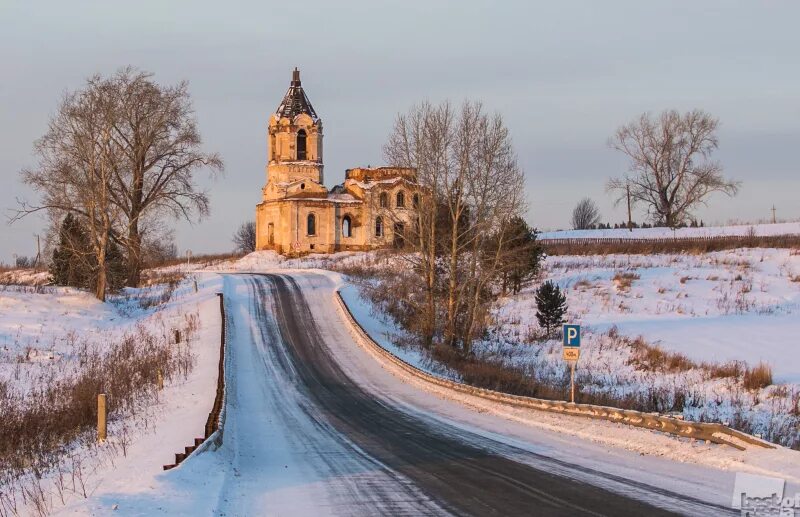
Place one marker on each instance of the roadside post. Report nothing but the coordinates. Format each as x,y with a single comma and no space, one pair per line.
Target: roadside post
571,353
101,418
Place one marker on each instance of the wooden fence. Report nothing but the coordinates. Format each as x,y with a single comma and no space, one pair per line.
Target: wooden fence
591,245
213,428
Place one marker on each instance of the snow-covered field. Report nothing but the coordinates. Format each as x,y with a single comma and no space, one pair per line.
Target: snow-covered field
741,304
661,233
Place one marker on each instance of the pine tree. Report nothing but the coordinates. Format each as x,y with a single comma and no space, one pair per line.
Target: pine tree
74,263
525,255
70,265
551,306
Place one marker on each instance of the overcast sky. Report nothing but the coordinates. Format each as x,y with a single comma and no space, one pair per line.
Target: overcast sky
564,74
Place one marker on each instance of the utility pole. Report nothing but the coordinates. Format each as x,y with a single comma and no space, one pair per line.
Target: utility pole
773,215
38,253
630,219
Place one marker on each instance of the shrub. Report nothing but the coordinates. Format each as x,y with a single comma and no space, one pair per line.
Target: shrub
758,377
624,280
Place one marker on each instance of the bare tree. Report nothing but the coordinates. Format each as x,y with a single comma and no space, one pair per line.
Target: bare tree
245,237
155,136
671,171
585,215
76,166
472,189
421,139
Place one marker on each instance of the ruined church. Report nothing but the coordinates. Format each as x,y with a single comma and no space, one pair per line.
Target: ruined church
298,214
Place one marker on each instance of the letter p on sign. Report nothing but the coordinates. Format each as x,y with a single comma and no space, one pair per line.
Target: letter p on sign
572,335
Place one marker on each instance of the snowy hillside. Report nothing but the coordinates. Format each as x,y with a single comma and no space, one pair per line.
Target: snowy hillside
662,233
732,305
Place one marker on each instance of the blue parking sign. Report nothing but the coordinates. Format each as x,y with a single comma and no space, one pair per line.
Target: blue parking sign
572,335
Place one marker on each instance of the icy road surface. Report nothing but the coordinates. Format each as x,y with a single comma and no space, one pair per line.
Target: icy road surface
303,437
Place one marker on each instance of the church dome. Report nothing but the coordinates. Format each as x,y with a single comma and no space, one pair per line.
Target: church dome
295,101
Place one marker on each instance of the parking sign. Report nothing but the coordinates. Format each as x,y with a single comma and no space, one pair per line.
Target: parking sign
572,335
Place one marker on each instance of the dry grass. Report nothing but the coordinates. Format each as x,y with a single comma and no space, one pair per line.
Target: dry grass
731,369
40,428
655,359
624,279
583,284
758,377
196,259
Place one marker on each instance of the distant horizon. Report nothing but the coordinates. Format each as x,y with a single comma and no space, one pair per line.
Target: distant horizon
563,76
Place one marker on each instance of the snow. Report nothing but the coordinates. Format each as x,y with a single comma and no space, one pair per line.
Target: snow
792,228
39,332
381,328
691,468
274,471
741,304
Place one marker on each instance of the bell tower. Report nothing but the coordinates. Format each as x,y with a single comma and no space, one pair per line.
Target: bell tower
294,139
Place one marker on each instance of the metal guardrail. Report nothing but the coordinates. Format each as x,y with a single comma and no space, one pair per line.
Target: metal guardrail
715,433
213,428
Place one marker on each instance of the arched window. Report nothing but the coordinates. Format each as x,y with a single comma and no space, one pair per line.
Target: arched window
401,199
346,226
384,200
379,227
415,200
311,225
301,144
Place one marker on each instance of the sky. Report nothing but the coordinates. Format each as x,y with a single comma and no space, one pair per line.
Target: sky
563,74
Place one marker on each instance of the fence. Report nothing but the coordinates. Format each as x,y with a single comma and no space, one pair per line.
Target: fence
715,433
213,428
592,245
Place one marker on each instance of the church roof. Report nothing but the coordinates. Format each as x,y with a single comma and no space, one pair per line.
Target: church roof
295,101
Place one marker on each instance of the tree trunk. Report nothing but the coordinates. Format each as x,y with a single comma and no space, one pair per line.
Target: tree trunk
134,255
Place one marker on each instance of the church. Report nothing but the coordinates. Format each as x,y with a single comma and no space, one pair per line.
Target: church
299,215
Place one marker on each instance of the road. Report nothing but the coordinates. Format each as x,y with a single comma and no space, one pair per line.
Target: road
306,438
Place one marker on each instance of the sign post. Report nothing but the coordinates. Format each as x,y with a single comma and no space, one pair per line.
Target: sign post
571,353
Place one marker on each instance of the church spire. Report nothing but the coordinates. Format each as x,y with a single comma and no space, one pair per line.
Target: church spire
295,101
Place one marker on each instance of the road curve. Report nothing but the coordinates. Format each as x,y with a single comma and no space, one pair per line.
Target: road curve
289,400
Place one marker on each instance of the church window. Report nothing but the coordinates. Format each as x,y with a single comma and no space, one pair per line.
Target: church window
401,199
301,144
384,200
311,224
346,226
379,227
415,200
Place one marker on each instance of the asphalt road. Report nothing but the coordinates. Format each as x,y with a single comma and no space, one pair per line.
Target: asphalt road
425,466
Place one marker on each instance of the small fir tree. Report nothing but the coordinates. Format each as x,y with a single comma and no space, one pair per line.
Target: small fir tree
551,306
71,265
